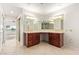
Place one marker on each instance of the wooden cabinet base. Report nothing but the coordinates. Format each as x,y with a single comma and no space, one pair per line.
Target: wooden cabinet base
33,39
55,39
32,45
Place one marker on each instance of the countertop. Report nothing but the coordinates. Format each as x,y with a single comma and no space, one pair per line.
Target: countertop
45,31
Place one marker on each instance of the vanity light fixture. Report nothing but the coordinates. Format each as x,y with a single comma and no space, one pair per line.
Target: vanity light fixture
29,17
51,22
58,17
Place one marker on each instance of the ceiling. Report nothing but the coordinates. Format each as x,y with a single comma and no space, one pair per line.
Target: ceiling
43,8
9,10
14,9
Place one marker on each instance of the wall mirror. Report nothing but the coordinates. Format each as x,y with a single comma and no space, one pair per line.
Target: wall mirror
47,25
58,22
54,23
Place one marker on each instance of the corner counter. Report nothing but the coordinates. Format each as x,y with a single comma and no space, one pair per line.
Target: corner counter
45,31
55,37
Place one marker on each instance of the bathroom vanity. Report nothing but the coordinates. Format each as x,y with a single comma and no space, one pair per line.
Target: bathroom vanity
33,38
34,28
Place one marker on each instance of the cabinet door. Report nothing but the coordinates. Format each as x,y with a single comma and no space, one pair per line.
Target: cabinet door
36,38
33,39
50,38
56,39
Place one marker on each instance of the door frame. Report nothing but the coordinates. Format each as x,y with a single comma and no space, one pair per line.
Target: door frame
18,29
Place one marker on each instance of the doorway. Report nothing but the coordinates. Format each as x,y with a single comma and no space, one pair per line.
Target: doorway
9,34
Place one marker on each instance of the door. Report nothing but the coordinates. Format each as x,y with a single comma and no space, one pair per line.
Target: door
9,33
56,39
33,39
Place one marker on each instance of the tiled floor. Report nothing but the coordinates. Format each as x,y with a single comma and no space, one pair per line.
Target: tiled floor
43,48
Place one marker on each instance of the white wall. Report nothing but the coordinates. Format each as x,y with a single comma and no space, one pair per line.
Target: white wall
1,32
71,25
71,22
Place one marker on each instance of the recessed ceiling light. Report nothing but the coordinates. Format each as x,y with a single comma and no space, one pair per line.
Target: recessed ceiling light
12,12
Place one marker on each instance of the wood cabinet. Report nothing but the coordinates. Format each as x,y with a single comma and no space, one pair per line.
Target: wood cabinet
56,39
32,39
